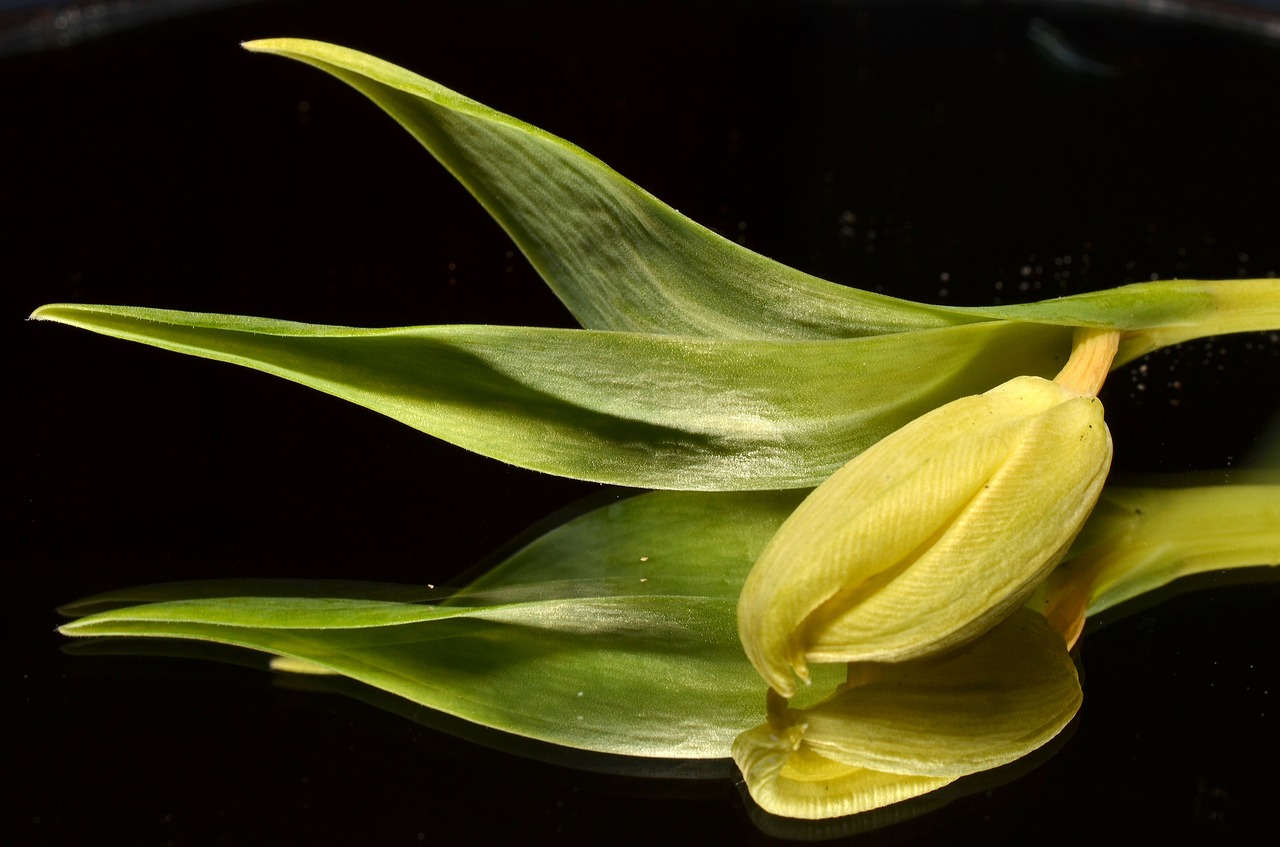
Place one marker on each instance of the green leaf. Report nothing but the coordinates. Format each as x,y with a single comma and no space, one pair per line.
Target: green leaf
632,604
1142,540
264,588
650,411
657,676
657,662
674,543
742,406
618,257
1159,314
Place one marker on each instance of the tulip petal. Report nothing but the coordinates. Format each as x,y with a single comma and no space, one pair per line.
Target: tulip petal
928,537
796,783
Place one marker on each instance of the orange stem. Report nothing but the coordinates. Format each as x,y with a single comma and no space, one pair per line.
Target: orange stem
1092,351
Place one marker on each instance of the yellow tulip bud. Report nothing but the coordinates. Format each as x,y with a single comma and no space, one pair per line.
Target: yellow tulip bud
931,536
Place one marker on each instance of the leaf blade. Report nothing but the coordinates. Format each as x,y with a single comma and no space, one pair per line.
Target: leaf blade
650,411
666,679
512,652
1159,314
619,258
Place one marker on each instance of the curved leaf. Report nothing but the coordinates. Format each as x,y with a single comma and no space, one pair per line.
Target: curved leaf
618,257
653,643
640,676
664,677
651,411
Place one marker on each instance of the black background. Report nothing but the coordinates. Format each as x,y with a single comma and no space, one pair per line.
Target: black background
965,153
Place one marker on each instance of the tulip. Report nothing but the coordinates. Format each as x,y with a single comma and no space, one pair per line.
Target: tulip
935,533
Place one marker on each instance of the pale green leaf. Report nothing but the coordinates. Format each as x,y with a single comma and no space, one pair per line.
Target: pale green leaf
642,676
619,258
1158,314
263,588
665,542
651,411
651,645
1176,532
661,677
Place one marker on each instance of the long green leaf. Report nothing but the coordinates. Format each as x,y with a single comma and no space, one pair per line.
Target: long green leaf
632,604
262,588
660,677
641,676
619,258
650,411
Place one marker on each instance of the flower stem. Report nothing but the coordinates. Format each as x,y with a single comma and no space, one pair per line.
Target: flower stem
1092,351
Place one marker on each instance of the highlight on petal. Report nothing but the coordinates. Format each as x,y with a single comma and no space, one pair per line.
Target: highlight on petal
930,536
913,727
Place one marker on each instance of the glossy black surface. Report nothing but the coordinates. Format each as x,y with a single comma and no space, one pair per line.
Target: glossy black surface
953,153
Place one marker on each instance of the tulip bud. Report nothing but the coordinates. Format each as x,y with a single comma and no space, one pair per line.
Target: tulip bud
931,536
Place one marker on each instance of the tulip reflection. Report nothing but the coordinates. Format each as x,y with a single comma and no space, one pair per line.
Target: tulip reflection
897,731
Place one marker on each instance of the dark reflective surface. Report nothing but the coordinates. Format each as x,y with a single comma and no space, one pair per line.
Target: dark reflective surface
957,154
